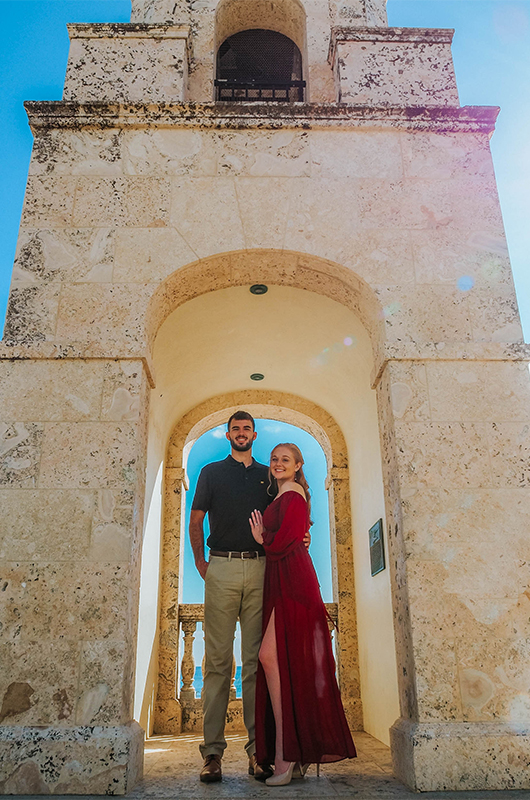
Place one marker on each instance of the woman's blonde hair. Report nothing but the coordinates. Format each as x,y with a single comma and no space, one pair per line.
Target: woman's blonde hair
299,477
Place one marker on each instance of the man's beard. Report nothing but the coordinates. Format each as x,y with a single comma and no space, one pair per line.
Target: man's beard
241,448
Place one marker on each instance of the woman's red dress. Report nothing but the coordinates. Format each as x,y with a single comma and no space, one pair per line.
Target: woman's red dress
314,726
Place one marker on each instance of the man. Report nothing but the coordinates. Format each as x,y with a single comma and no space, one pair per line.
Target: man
228,491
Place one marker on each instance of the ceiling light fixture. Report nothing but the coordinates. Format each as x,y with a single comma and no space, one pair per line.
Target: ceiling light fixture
257,376
259,288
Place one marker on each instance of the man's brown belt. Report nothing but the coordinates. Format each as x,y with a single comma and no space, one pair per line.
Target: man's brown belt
235,553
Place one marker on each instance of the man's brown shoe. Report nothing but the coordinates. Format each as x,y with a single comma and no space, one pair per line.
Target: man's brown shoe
211,771
260,771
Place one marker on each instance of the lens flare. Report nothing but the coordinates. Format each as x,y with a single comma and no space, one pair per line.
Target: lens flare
465,283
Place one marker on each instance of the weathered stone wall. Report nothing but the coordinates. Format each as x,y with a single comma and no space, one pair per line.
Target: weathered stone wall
387,204
71,490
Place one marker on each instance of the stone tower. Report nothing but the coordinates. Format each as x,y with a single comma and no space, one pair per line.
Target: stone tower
159,191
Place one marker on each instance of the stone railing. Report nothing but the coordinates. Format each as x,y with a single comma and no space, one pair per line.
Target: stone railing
190,614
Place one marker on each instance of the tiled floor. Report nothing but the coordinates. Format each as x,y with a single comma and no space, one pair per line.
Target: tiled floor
172,766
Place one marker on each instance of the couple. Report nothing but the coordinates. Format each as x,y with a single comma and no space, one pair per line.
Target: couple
261,573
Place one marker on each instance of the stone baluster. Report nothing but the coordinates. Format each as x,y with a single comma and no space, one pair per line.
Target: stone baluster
233,693
187,669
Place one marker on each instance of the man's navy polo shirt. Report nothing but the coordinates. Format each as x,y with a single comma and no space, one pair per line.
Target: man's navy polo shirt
229,492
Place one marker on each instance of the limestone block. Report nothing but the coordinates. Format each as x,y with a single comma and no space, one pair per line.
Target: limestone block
272,154
102,313
320,215
107,202
123,391
457,757
31,311
431,205
356,154
89,454
49,201
207,215
127,63
105,665
146,255
495,317
170,152
38,680
42,597
443,454
50,390
264,225
441,156
264,153
510,453
479,392
493,672
437,520
412,314
409,392
77,152
30,516
20,453
464,258
393,66
68,254
93,759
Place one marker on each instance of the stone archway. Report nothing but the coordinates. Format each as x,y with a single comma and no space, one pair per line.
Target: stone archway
274,267
316,421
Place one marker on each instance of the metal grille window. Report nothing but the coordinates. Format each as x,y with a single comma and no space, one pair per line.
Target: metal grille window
259,65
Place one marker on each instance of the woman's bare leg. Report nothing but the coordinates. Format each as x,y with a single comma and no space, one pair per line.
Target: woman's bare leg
268,656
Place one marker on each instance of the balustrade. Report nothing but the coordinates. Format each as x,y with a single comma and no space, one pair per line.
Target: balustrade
190,614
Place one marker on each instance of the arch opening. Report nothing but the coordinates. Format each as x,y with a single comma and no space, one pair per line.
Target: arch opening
210,446
317,357
259,65
286,18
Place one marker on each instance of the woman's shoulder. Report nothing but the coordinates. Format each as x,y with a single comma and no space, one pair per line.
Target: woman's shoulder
293,489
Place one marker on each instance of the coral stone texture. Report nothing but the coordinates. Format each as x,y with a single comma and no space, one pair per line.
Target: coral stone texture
390,332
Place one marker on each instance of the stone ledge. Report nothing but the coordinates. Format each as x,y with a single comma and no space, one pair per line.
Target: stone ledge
449,351
460,756
51,351
125,30
265,116
82,760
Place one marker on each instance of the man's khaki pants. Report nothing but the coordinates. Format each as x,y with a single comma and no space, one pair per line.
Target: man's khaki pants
233,590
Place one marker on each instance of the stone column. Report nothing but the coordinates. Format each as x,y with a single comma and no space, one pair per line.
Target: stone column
168,713
459,535
73,437
344,586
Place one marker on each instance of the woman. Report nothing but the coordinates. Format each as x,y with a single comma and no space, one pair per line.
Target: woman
299,713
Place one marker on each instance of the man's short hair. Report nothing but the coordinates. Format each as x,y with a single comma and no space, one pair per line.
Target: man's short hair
241,415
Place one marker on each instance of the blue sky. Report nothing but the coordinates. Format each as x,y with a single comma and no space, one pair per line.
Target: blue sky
492,57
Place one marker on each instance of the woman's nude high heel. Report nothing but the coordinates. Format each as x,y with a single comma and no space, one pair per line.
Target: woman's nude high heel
301,769
284,778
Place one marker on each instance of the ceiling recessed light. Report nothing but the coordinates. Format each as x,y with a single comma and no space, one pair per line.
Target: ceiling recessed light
257,376
259,288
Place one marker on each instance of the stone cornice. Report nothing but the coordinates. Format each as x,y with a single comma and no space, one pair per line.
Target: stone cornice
127,31
237,116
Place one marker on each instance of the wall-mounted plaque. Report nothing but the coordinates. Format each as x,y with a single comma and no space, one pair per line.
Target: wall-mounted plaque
377,549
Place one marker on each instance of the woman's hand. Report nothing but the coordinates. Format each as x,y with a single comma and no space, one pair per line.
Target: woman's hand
256,526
